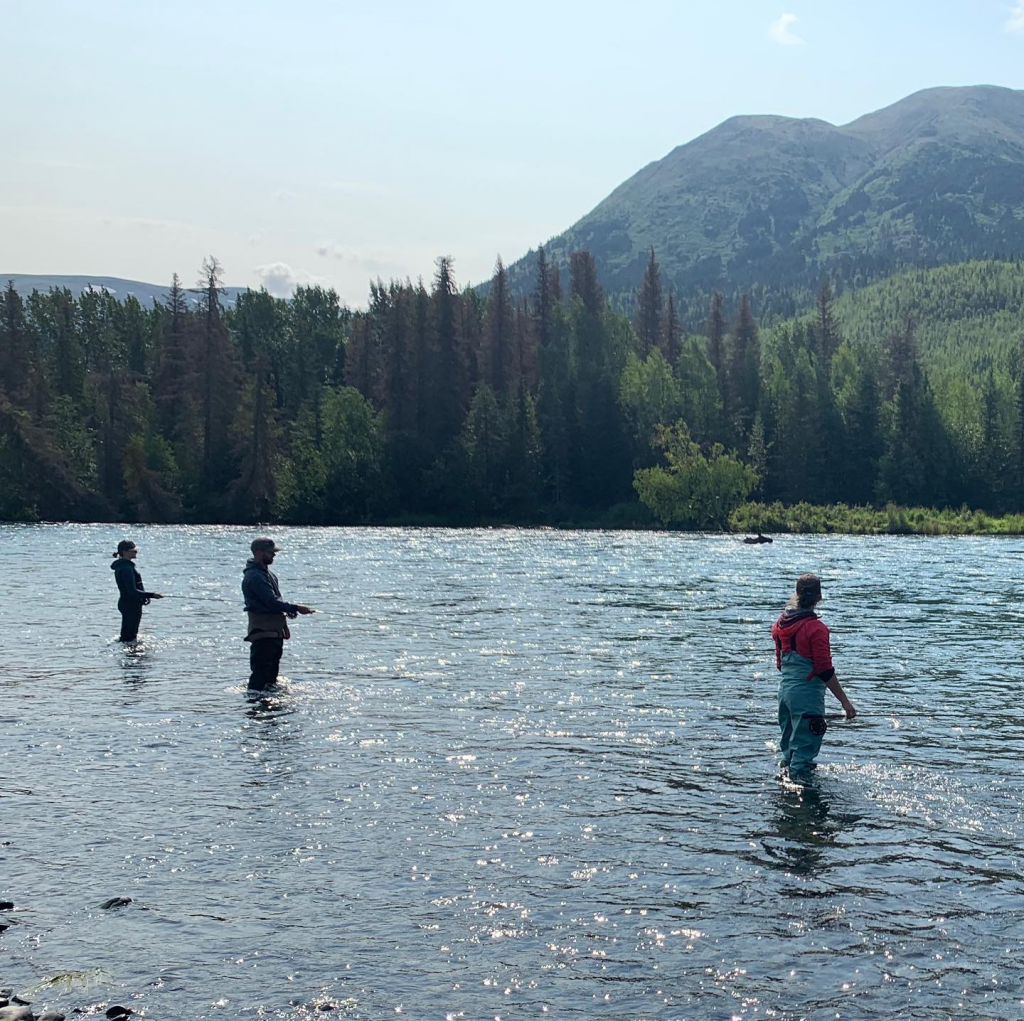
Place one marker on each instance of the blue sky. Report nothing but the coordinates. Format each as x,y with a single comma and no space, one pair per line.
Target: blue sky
334,142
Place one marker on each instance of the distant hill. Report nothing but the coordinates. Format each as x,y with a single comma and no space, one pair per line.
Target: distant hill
772,202
26,283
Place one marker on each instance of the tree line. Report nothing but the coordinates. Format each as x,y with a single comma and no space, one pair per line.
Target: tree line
438,403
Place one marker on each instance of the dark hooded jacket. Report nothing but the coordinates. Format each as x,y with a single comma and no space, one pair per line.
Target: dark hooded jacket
803,632
129,583
262,592
263,603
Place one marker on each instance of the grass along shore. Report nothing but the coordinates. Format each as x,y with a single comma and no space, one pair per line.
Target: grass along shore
888,520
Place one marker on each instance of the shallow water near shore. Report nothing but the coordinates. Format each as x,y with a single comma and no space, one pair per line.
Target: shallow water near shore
512,774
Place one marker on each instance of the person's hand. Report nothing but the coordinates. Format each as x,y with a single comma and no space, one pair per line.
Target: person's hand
156,595
850,711
304,609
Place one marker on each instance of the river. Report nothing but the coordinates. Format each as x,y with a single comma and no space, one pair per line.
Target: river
512,774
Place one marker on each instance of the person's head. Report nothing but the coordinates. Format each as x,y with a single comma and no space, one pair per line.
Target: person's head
263,550
808,592
126,550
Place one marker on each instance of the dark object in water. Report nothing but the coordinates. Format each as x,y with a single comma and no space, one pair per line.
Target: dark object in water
115,902
751,540
119,1011
6,905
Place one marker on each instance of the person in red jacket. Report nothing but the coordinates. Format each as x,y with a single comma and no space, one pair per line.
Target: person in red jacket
803,655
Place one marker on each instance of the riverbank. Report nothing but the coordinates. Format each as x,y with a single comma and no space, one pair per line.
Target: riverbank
777,518
806,518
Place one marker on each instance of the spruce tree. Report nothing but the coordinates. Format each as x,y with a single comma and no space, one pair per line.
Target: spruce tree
499,356
826,330
715,332
745,368
583,273
649,310
672,332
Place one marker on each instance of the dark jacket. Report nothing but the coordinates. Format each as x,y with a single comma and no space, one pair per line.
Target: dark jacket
129,583
262,592
803,632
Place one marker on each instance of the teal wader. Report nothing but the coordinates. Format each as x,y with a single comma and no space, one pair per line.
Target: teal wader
801,712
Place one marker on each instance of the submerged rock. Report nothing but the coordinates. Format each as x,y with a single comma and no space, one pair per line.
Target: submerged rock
115,902
118,1011
51,1015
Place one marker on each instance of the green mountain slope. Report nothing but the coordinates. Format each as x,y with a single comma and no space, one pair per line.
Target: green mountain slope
966,316
773,202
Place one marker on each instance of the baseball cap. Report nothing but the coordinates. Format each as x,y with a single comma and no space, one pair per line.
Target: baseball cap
265,544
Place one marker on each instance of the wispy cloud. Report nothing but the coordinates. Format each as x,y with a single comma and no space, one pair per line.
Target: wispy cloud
280,279
781,31
1015,22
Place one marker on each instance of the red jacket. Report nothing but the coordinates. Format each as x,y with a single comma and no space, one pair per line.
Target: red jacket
802,632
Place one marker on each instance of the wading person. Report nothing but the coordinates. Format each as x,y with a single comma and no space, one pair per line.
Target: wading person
133,595
803,655
267,611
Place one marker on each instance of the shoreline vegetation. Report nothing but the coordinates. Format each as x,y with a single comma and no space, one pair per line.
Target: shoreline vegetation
751,518
548,406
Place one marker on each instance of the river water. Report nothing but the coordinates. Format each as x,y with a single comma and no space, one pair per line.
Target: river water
512,774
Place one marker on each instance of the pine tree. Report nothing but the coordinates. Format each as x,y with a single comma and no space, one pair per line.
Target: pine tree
14,344
218,382
672,332
715,332
745,368
583,273
253,494
499,368
544,301
174,382
826,331
447,385
649,310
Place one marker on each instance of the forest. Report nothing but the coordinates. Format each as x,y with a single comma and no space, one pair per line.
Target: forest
450,405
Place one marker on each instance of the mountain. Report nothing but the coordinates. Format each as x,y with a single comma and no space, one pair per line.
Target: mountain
25,284
776,201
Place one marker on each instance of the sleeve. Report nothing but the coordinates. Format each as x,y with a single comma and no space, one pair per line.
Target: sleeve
821,653
262,593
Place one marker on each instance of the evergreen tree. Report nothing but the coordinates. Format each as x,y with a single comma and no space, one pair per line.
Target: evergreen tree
672,332
715,332
545,300
218,381
826,331
499,362
15,348
649,310
447,384
745,369
583,273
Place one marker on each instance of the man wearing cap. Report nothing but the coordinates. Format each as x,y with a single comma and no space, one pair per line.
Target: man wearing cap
267,610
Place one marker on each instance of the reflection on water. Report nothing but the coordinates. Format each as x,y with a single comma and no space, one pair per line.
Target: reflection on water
512,774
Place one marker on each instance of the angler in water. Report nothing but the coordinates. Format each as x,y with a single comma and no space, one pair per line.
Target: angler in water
133,594
804,656
267,611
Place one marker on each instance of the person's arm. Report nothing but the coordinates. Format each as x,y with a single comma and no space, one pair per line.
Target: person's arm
836,688
821,656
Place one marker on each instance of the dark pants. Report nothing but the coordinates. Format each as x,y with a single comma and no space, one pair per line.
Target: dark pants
264,659
131,617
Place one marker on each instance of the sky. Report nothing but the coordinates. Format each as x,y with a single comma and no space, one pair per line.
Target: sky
335,142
